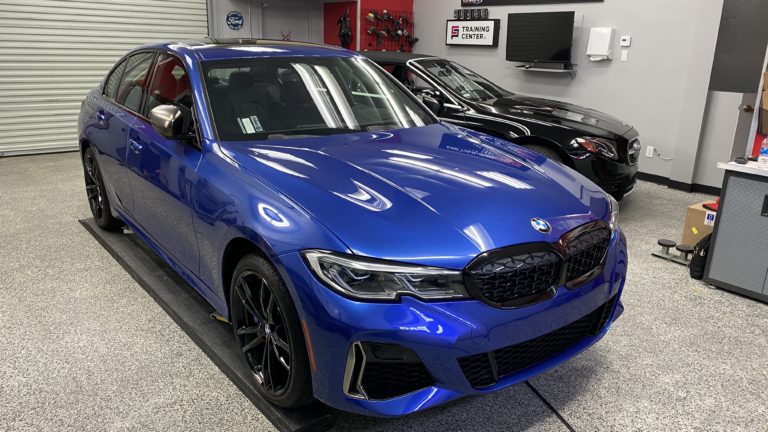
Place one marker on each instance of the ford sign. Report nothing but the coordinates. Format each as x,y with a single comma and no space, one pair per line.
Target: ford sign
235,20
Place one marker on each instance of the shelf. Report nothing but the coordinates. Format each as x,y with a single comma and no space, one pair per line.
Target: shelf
570,69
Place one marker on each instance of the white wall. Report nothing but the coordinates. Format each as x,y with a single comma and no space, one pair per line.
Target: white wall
662,90
303,18
720,122
217,13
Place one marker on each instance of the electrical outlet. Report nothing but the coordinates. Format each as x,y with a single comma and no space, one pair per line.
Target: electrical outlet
649,150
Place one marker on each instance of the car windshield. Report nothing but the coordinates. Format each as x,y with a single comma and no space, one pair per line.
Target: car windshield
276,98
463,81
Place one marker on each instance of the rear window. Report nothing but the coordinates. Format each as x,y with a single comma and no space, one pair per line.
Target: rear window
110,87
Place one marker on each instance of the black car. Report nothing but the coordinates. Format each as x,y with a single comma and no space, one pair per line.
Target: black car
601,147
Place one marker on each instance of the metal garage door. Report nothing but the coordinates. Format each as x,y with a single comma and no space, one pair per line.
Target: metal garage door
52,52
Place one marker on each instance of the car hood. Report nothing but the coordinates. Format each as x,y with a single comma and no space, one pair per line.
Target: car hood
436,195
558,113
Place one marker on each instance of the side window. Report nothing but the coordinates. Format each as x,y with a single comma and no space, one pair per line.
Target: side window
418,84
170,86
134,81
407,77
110,87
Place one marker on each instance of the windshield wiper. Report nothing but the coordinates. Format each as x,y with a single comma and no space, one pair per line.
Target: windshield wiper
282,136
379,128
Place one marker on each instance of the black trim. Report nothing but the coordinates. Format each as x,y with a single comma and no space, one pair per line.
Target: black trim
479,369
677,185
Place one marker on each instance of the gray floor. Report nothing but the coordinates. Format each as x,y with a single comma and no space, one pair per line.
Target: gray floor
83,347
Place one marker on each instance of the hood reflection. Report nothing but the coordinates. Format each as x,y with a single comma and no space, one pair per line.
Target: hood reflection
366,197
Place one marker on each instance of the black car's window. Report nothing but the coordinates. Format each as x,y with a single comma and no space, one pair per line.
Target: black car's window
110,87
407,77
274,97
134,81
462,81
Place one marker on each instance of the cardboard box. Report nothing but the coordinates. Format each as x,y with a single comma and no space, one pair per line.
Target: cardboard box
764,105
698,223
765,80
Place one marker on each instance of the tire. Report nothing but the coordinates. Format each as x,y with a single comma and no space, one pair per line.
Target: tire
546,152
98,200
268,331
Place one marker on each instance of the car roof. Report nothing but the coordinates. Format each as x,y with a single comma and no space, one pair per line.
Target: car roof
221,49
393,57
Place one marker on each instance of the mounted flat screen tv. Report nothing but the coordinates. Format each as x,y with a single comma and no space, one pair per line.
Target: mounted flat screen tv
541,37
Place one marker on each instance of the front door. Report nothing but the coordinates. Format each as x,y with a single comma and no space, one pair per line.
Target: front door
162,170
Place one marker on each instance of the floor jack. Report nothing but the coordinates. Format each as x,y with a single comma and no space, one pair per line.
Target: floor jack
683,258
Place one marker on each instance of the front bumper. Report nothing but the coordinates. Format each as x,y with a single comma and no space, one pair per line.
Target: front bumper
440,333
615,177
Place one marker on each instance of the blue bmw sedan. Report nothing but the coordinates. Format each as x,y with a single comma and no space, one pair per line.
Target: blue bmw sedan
366,255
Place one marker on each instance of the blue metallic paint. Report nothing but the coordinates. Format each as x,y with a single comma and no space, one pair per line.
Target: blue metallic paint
437,195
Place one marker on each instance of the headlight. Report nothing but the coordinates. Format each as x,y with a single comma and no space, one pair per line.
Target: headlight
614,223
601,146
370,279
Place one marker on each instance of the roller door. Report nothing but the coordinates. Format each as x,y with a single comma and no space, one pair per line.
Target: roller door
52,52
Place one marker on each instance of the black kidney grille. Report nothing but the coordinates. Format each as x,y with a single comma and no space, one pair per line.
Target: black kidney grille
382,380
485,369
586,252
511,278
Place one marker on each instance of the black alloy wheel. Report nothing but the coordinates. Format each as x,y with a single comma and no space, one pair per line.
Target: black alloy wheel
97,194
267,331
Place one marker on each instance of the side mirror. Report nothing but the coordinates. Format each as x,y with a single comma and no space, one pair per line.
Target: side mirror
168,121
435,101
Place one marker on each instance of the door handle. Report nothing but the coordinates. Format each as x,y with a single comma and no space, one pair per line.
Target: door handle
135,146
747,108
101,115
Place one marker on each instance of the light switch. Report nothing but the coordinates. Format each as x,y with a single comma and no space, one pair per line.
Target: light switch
625,55
626,41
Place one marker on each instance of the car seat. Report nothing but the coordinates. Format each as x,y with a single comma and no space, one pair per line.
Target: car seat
299,109
249,100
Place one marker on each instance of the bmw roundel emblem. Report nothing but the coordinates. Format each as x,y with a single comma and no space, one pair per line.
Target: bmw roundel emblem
541,225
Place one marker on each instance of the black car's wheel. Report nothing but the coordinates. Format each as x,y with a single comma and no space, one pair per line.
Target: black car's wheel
546,152
269,334
97,194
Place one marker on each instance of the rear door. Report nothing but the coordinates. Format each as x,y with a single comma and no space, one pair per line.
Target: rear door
116,112
162,171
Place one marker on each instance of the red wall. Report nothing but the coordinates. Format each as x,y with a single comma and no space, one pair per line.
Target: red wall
331,14
394,5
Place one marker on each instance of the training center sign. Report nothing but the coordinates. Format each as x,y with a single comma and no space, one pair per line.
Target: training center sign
473,32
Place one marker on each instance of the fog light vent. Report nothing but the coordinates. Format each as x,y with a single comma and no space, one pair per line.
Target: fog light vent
383,371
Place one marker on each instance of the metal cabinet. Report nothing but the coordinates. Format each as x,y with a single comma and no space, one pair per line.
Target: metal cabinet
738,258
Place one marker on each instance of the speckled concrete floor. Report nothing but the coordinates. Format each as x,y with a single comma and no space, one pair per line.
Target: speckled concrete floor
83,347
